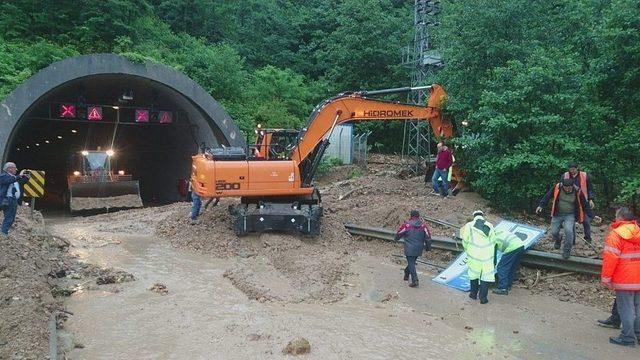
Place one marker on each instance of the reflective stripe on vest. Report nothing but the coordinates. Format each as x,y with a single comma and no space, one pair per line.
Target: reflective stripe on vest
556,192
612,250
582,180
630,256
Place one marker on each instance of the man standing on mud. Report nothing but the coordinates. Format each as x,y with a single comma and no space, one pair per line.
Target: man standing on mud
478,240
417,238
568,207
583,182
10,194
441,171
621,272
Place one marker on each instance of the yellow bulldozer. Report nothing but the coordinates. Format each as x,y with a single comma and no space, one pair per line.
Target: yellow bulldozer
94,185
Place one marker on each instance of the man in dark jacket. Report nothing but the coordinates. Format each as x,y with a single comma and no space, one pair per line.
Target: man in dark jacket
583,181
569,206
10,194
416,237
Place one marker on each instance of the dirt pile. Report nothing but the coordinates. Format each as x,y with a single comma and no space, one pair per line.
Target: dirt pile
26,257
380,198
114,202
569,287
270,266
134,221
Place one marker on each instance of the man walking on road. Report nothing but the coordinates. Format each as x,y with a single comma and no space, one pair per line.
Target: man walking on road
417,238
10,194
478,240
583,181
444,160
621,272
512,249
569,206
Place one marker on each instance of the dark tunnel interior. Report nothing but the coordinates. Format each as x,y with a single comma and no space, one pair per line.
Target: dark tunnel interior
103,116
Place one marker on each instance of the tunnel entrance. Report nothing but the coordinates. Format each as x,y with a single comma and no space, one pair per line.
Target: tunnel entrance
151,126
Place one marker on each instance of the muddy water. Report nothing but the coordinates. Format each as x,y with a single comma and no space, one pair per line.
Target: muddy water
205,317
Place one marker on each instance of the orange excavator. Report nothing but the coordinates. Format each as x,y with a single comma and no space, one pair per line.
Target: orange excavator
278,194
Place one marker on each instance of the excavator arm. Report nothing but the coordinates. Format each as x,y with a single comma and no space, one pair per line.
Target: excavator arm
348,107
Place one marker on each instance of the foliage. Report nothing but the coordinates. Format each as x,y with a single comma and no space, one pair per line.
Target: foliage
327,164
540,91
539,82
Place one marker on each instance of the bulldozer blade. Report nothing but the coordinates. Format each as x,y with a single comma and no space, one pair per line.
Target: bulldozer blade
104,195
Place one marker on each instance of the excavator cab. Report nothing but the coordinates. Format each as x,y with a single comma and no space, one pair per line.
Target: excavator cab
92,184
274,144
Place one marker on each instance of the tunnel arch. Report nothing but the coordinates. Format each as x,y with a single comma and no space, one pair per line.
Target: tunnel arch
202,119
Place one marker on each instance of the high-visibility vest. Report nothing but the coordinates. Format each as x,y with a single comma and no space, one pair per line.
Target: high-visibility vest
507,242
556,192
582,181
480,249
453,161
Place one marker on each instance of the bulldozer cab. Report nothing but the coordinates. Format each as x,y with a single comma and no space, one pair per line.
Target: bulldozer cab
94,163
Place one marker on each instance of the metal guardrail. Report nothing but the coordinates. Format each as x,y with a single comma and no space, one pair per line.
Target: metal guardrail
532,258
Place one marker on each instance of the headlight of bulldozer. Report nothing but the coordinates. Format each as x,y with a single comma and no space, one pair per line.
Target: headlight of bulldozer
84,152
110,152
121,172
76,173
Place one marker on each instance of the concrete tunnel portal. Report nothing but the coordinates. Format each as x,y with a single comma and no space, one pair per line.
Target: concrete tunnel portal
153,118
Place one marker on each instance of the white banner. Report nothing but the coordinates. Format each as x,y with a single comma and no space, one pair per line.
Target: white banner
455,275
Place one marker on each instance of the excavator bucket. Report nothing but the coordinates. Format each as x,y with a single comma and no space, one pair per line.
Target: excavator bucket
104,195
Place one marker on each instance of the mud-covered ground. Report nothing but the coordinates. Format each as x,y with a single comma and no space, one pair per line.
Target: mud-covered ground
114,259
26,305
382,196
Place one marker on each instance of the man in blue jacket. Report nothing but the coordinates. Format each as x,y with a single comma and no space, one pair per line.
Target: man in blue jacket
10,194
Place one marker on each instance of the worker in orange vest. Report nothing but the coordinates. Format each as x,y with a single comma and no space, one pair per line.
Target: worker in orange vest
583,182
569,206
621,272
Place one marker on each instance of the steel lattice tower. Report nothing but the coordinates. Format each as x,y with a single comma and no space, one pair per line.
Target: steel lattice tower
423,63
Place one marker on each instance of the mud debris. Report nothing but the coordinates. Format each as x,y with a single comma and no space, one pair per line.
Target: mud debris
297,346
26,300
159,288
113,276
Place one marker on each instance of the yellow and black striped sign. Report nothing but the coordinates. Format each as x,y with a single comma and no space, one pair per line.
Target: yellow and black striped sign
35,186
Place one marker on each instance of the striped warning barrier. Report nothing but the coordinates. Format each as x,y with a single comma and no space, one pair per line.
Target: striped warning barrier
35,186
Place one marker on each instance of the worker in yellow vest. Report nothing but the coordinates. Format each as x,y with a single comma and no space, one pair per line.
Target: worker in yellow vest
512,249
478,240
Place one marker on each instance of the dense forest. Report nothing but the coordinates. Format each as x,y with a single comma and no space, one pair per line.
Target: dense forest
540,83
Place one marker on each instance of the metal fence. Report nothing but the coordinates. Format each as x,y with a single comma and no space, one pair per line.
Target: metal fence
341,144
360,148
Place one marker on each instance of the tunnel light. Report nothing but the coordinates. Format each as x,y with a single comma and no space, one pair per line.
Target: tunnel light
110,152
59,136
17,149
74,131
37,144
28,147
121,172
84,152
76,173
46,141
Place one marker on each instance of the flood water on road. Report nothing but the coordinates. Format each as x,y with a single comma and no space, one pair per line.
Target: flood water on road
204,316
